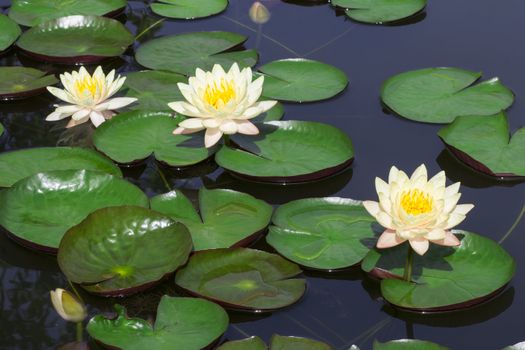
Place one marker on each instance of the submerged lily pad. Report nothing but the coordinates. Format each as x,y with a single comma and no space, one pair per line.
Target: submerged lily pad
39,209
33,12
301,80
16,165
181,323
485,144
439,95
278,342
23,82
288,151
227,218
322,233
134,136
9,32
445,278
184,53
188,9
76,39
408,344
380,11
241,278
119,250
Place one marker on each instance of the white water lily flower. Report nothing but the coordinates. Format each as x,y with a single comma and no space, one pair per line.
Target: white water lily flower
417,209
68,306
221,103
88,97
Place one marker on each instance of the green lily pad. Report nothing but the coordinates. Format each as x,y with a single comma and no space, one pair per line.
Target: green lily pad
519,346
439,95
188,9
301,80
23,82
33,12
288,151
227,218
445,278
407,344
39,209
380,11
134,136
322,233
273,114
485,144
278,342
76,39
184,53
182,323
252,343
1,129
9,32
16,165
241,278
119,250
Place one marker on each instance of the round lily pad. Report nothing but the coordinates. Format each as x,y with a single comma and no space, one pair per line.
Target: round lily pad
278,342
23,82
76,39
188,9
243,279
184,53
408,344
445,278
380,11
39,209
227,218
134,136
181,323
288,151
439,95
485,144
301,80
322,233
33,12
16,165
120,250
9,32
252,343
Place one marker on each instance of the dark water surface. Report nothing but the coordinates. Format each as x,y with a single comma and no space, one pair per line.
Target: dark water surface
341,309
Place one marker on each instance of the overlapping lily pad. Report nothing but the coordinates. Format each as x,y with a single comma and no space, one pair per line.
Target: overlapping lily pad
227,218
39,209
408,344
184,53
119,250
76,39
16,165
278,342
288,151
439,95
181,323
188,9
444,278
322,233
23,82
485,144
241,278
9,32
380,11
134,136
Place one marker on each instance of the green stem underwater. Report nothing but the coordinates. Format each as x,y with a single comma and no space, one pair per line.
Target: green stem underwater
408,265
149,28
80,332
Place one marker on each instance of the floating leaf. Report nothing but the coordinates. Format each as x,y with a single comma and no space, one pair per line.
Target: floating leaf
1,131
182,323
277,342
39,209
241,278
407,344
22,82
380,11
252,343
119,250
9,32
227,218
439,95
188,9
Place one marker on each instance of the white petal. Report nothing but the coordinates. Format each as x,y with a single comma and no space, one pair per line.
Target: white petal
389,239
83,113
371,207
61,94
68,109
228,127
96,118
115,103
212,137
420,245
74,122
421,171
191,123
186,109
211,123
436,234
450,240
56,116
247,128
463,209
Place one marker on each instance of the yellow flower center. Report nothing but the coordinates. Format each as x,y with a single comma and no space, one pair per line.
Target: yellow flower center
88,84
416,202
219,94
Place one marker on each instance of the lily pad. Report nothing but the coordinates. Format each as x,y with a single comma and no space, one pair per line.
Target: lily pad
301,80
445,278
23,82
39,209
408,344
252,343
133,136
439,95
76,39
243,279
288,151
322,233
16,165
380,11
485,144
120,250
182,323
1,129
278,342
227,218
9,32
184,53
33,12
188,9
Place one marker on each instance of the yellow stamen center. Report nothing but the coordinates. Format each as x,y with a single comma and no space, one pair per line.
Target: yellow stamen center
219,94
89,84
416,202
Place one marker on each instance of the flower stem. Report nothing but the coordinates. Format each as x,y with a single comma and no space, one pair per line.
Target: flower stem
149,28
80,332
408,265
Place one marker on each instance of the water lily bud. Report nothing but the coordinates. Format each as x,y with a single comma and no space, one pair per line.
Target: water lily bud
259,13
67,306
